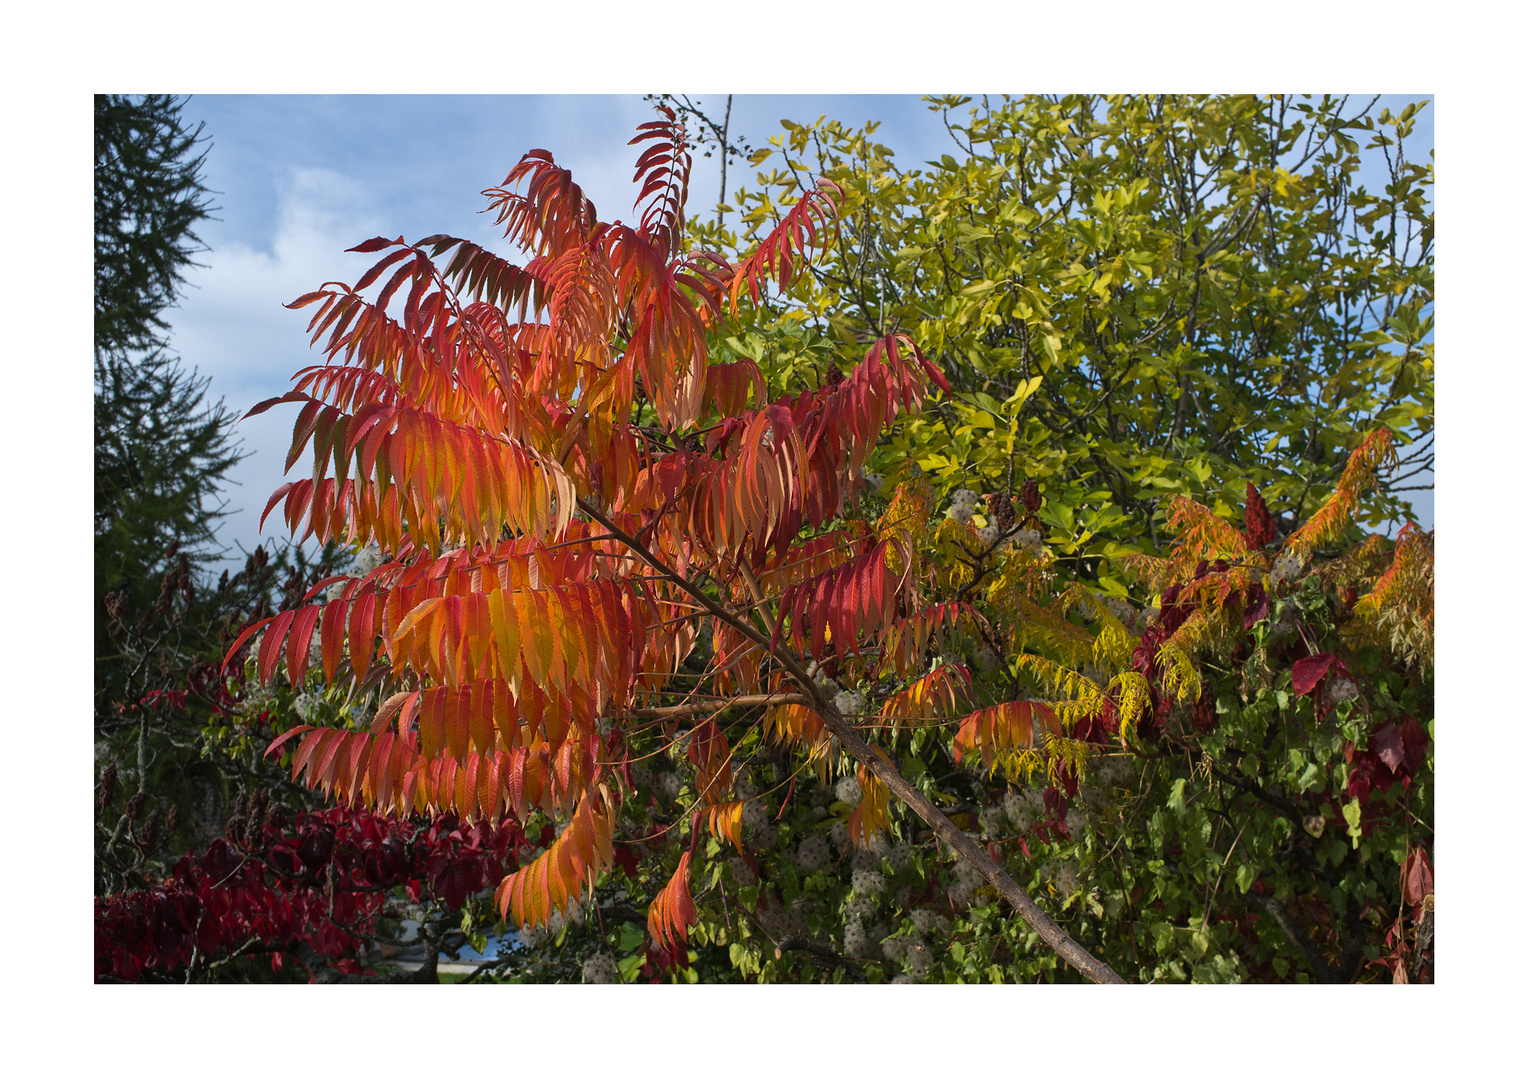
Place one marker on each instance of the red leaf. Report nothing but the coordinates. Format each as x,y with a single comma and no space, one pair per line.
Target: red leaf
1417,877
1307,672
1388,745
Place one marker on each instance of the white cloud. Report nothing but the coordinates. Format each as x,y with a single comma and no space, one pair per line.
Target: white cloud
232,324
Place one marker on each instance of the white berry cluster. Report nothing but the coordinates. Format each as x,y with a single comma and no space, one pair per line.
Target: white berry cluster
848,790
850,703
963,504
813,854
600,968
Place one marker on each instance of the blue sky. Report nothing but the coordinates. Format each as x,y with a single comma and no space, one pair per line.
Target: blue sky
301,178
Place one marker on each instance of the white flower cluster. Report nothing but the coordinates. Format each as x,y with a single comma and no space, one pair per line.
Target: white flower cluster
992,819
742,874
1288,567
368,559
968,881
874,480
766,841
1062,876
839,835
963,504
894,948
868,882
1018,813
988,535
600,968
755,816
920,959
923,919
1023,808
1122,610
858,942
850,703
306,705
985,659
669,784
1115,771
1343,688
813,854
537,936
642,775
1076,823
1029,540
865,859
848,790
901,856
861,908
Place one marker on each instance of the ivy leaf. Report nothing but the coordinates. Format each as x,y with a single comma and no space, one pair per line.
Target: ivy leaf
1388,745
1307,672
1352,819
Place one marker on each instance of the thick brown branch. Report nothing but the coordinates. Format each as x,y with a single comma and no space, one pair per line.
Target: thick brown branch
1055,936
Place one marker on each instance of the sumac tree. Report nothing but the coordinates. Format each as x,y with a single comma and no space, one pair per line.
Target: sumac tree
592,529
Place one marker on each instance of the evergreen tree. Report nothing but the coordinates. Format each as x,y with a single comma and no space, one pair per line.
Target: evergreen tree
162,449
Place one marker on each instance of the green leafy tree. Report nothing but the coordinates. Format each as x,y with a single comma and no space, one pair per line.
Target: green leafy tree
1135,297
149,200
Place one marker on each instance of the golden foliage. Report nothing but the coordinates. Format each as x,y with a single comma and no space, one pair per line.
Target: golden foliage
1338,510
928,698
1400,607
572,863
672,911
870,815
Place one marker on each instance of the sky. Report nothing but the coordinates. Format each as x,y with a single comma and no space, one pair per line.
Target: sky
300,178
